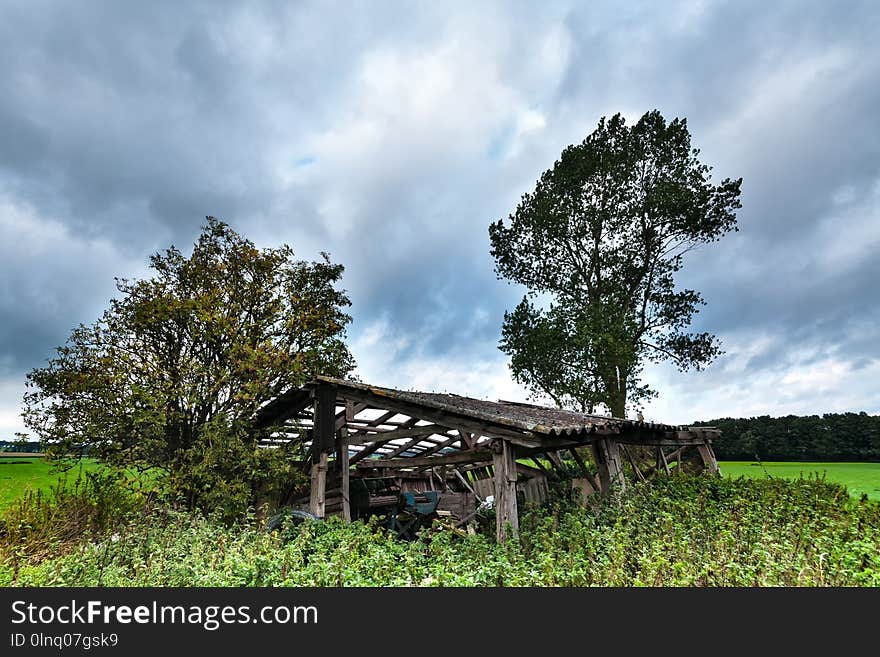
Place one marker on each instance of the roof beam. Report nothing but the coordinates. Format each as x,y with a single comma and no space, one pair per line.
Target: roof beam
441,417
395,434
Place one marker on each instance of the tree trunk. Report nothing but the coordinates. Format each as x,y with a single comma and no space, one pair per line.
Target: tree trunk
616,390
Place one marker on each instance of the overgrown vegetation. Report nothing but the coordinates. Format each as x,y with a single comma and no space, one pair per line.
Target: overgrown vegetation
680,531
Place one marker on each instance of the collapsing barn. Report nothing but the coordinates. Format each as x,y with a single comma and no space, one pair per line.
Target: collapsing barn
447,452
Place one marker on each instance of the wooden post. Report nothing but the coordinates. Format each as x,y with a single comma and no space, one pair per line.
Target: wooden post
324,420
662,457
632,462
504,460
319,486
344,465
344,472
606,452
708,456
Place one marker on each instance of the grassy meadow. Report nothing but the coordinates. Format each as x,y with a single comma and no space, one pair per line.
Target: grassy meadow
19,474
859,478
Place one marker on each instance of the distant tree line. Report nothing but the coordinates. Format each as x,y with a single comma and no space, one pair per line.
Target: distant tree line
829,437
26,447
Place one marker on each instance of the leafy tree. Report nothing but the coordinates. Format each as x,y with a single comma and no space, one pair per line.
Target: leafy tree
602,236
171,374
829,437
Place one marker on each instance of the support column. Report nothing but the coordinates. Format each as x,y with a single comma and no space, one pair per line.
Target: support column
344,470
319,486
708,456
606,452
324,420
344,466
504,461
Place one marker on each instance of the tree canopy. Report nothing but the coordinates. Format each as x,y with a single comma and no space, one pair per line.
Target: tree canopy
173,371
828,437
601,238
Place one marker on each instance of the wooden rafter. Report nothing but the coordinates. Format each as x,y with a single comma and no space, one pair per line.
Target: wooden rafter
396,434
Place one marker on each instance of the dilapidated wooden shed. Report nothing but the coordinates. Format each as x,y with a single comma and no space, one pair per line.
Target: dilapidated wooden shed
464,448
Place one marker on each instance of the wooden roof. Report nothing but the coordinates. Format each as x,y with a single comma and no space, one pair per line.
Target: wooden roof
386,423
533,418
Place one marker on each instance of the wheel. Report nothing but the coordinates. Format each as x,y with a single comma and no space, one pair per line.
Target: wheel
296,515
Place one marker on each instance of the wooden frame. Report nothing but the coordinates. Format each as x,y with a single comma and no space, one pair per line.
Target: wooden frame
380,430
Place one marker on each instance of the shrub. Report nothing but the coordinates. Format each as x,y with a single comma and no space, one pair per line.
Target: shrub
224,473
680,531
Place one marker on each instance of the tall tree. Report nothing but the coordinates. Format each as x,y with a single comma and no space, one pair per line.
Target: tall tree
601,237
171,374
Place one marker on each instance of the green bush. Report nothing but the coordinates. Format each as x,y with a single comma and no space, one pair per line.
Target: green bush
224,473
680,531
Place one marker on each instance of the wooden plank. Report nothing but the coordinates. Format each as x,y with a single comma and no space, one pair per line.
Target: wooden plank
534,490
556,460
615,466
282,408
380,420
375,446
449,442
403,448
443,418
324,429
585,486
485,487
318,486
397,434
344,474
537,461
669,439
679,458
632,462
364,453
663,459
606,453
582,466
708,456
466,484
528,470
416,461
506,518
346,416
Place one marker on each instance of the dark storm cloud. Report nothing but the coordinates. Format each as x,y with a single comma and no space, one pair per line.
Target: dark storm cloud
785,96
392,137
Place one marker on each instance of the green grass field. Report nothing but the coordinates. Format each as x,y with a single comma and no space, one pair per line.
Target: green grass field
19,474
858,478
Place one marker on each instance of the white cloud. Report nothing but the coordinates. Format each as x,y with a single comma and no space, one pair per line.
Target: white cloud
377,348
10,413
391,137
812,387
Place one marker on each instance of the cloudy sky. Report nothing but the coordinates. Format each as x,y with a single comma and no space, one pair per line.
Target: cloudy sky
391,135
